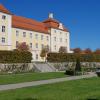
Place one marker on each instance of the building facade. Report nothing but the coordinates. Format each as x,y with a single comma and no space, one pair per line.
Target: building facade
16,29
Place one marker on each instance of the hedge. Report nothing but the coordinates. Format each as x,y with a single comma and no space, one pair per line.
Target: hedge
15,57
66,57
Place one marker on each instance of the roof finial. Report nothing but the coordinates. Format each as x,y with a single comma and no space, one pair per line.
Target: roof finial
50,15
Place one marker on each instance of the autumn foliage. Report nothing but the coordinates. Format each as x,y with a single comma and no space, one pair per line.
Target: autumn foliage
22,46
62,49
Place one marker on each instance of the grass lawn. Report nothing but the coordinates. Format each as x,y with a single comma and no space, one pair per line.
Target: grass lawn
84,89
26,77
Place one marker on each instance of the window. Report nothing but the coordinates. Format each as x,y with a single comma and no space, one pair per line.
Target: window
54,31
3,17
3,40
48,47
36,45
36,36
60,33
17,44
54,38
17,33
60,39
47,38
24,34
65,40
3,28
42,46
55,47
36,56
31,45
30,35
66,34
41,37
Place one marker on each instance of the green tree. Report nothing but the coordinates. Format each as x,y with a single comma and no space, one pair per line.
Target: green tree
44,52
78,66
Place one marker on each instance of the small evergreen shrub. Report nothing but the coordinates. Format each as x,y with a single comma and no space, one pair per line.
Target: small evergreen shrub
69,72
78,67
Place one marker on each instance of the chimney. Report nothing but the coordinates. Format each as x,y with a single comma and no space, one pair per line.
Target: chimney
51,15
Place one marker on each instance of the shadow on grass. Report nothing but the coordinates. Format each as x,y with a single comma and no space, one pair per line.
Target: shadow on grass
93,99
27,99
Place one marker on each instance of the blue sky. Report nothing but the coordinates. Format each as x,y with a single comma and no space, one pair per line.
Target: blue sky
81,17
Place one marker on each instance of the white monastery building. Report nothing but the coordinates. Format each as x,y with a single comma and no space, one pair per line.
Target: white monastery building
16,29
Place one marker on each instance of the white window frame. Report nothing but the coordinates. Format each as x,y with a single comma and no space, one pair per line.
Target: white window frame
17,33
3,40
31,35
24,34
42,37
36,45
36,36
3,17
31,45
3,28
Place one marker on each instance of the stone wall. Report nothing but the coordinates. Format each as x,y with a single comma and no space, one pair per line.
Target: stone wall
31,67
17,67
71,65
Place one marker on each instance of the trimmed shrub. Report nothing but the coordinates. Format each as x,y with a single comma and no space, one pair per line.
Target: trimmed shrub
78,65
69,72
15,56
98,73
66,57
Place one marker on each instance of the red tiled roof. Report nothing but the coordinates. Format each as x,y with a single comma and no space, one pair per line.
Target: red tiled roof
4,10
51,20
28,24
52,23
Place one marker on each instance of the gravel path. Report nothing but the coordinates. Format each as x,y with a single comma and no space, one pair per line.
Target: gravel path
36,83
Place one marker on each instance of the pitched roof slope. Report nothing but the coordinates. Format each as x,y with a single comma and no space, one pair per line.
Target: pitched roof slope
4,10
28,24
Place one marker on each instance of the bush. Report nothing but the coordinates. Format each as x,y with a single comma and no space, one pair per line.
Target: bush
66,57
69,72
98,73
78,66
15,56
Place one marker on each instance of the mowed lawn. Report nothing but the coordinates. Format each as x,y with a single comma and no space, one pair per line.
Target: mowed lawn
84,89
27,77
